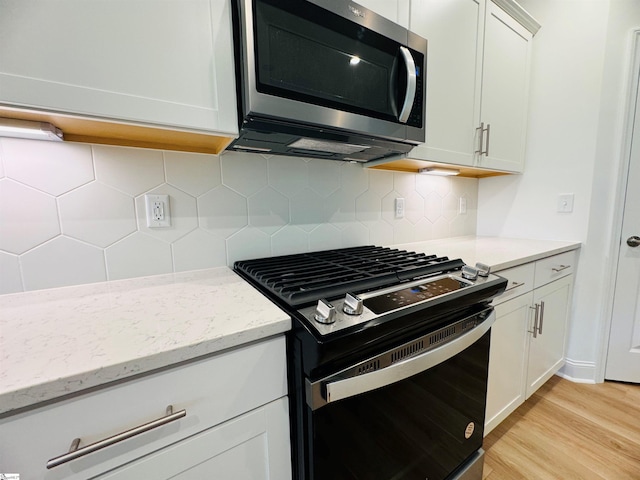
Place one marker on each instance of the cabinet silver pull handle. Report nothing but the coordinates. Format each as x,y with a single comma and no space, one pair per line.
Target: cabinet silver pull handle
480,129
486,151
535,321
75,452
514,285
560,268
541,317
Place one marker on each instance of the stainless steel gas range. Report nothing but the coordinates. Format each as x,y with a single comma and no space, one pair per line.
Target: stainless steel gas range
388,361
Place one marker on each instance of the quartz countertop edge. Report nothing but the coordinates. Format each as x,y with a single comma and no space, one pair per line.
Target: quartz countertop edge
62,341
499,253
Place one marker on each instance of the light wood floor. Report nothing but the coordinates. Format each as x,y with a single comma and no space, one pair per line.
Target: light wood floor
568,431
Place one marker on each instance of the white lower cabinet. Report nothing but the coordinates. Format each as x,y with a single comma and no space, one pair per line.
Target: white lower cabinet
546,347
507,359
251,447
236,424
529,335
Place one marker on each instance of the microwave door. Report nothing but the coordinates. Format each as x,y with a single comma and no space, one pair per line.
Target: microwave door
308,64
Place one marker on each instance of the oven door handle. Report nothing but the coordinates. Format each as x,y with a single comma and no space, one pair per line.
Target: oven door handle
338,388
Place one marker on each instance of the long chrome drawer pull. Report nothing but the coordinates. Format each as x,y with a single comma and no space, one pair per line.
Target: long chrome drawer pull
75,452
561,268
514,285
541,317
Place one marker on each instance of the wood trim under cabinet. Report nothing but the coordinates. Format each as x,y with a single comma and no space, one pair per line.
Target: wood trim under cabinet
89,130
413,166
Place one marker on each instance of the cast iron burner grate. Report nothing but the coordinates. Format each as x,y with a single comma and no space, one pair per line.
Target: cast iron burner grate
306,277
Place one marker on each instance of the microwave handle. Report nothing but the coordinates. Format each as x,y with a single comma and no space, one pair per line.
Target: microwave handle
411,85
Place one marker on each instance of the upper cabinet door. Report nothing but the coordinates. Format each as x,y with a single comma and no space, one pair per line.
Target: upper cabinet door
166,63
505,91
454,29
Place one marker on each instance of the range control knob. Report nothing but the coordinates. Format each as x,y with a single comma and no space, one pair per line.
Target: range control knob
483,269
352,305
470,273
325,312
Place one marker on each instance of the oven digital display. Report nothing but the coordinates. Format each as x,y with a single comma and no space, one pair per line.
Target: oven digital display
409,296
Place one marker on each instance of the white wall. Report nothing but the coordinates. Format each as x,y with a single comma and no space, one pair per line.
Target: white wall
74,213
578,78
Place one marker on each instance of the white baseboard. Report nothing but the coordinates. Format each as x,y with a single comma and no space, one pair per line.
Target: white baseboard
578,371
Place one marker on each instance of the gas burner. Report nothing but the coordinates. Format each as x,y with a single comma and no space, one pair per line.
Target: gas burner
342,289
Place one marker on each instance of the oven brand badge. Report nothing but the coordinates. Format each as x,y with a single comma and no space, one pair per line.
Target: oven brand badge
357,12
469,430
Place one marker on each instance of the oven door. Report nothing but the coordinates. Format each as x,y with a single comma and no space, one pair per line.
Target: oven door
312,64
421,418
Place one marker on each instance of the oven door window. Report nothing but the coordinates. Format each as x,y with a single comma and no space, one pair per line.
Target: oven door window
306,53
419,428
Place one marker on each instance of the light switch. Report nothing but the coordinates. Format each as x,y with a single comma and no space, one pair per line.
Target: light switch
462,205
565,203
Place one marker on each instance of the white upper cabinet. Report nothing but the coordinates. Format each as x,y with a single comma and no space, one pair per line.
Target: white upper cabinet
477,82
505,91
453,30
151,62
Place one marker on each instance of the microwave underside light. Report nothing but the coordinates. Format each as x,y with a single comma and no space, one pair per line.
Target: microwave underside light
443,172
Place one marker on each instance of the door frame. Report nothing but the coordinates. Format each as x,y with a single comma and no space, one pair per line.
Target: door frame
632,89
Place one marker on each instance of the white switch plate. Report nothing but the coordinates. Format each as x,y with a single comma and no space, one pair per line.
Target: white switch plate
565,203
463,205
399,207
157,210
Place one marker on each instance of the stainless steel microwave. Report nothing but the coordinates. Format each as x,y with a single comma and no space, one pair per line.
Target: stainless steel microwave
327,79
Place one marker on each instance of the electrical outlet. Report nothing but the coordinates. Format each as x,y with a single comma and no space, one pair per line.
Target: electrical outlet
399,207
157,209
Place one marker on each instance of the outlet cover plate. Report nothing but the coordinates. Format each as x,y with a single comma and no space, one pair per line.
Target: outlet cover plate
157,210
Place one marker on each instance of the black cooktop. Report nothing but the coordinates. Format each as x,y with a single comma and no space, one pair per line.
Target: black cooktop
301,279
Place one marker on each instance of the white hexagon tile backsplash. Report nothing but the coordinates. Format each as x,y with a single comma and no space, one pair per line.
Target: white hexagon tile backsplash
74,213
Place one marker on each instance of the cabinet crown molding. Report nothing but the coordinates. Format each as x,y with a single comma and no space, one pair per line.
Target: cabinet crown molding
520,14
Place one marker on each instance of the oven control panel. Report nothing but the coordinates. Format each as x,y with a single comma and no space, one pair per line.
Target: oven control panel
328,317
418,293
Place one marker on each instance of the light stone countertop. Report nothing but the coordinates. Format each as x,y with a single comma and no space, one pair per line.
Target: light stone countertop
497,252
60,341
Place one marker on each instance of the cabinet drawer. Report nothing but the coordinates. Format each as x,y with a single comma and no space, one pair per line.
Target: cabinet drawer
551,268
253,446
211,391
520,280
